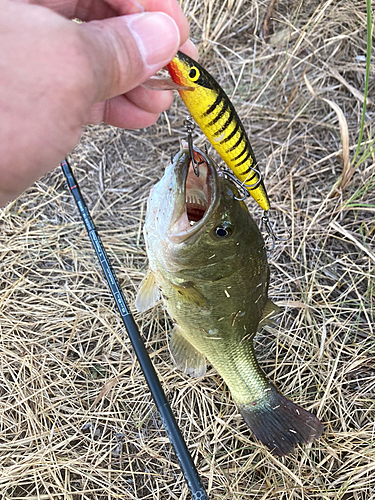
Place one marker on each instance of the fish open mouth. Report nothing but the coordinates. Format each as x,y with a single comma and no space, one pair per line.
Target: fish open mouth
199,196
197,191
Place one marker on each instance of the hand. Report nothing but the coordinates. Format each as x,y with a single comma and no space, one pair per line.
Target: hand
57,75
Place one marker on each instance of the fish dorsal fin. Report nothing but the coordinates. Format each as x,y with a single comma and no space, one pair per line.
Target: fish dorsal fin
186,357
270,310
148,293
189,294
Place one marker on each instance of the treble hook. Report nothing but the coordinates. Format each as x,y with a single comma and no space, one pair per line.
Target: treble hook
241,186
190,126
271,233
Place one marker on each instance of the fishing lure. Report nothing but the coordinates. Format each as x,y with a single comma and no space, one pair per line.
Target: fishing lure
212,109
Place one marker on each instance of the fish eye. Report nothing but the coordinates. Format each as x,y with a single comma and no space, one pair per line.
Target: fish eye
194,74
223,231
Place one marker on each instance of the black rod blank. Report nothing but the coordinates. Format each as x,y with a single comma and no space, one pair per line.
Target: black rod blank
174,434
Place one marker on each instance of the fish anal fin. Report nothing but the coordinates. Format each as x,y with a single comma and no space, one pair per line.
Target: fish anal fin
148,293
184,356
270,310
191,295
279,423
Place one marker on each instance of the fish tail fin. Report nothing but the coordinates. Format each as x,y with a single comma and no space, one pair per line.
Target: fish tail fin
279,423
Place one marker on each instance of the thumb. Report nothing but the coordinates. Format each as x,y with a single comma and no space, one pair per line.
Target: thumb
124,51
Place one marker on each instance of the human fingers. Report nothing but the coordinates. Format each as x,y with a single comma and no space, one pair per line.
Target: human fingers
121,112
144,100
124,51
153,101
56,70
88,10
139,108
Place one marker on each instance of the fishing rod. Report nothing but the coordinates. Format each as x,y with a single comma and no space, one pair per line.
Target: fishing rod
174,434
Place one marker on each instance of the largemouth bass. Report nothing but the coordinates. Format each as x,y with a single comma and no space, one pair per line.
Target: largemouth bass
207,257
214,112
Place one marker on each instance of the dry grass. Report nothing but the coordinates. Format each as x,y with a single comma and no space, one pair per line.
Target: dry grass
77,420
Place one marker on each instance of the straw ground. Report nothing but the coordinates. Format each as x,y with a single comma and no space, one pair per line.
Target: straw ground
77,420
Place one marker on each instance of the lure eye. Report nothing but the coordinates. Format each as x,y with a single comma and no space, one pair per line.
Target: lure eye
194,74
223,231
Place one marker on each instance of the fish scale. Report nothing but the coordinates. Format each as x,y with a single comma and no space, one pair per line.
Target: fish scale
213,111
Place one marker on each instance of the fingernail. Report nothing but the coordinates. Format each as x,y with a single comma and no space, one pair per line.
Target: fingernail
157,37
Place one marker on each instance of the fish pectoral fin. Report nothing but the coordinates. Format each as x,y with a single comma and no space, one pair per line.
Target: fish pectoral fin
148,293
185,356
189,294
270,310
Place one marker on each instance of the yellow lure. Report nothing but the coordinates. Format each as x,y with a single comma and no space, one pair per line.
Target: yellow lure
213,111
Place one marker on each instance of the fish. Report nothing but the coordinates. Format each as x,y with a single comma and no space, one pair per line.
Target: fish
208,262
215,114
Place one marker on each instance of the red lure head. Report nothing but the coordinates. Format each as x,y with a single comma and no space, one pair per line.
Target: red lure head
177,70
